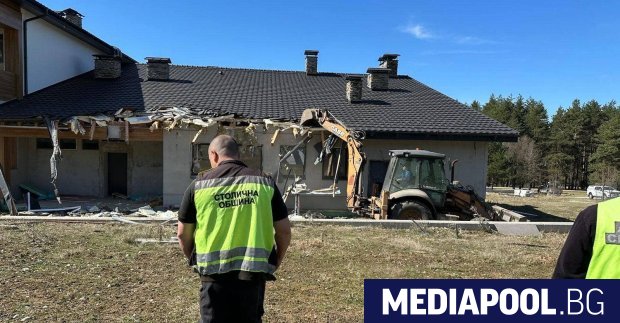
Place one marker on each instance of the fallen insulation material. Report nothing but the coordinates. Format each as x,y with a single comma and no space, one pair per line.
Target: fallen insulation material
52,126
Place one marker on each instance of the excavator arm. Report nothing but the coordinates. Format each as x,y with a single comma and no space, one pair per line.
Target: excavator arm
459,200
357,158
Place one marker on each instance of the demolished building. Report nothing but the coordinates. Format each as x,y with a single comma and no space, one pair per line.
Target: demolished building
142,130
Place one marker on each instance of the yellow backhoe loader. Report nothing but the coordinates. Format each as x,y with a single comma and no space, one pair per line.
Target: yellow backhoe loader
415,185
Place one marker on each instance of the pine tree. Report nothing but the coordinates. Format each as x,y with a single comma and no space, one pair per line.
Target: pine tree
476,105
537,128
606,159
558,159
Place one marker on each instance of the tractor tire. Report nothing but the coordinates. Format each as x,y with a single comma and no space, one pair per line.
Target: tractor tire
590,196
410,210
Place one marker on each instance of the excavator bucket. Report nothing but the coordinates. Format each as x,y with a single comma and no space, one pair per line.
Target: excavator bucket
310,118
467,203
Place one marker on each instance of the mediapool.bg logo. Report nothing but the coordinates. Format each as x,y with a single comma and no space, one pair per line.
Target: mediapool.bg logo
491,300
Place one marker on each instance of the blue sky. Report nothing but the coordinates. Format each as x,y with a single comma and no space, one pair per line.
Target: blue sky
553,51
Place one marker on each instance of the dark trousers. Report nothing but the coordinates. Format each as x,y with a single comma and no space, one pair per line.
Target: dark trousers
232,301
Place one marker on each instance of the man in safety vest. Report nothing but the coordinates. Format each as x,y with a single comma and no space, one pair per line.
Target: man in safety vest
226,229
592,249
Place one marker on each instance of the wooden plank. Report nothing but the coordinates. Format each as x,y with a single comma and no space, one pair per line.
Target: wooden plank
10,77
135,134
12,61
9,157
10,153
11,54
24,132
10,15
8,91
145,134
10,5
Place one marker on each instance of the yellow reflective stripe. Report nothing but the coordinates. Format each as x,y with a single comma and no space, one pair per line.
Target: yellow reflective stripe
234,180
221,261
233,253
238,264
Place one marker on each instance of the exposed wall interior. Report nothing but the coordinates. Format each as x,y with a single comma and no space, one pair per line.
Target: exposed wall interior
84,172
147,169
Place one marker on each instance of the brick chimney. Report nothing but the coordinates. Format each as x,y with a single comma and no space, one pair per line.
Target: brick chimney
312,58
354,88
107,66
72,16
390,61
378,78
158,68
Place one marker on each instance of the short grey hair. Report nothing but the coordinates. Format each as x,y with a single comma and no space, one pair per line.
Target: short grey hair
226,146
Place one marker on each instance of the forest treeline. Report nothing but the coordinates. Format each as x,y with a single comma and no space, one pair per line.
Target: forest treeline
577,147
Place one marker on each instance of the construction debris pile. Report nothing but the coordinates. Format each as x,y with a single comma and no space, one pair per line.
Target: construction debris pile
104,211
168,118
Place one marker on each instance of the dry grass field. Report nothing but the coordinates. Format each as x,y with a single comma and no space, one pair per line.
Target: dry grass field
542,207
97,273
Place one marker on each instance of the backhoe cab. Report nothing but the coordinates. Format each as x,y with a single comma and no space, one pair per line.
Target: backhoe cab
416,188
416,183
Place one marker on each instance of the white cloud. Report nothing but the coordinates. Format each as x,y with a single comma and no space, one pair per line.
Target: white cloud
418,31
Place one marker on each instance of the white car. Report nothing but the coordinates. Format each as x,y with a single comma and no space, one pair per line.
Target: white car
601,191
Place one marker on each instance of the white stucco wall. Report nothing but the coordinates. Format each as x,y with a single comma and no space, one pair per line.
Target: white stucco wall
54,55
471,169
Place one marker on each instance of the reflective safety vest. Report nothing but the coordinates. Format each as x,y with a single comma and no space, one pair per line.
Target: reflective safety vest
234,224
605,262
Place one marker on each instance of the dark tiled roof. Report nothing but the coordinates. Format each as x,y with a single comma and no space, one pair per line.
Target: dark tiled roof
409,108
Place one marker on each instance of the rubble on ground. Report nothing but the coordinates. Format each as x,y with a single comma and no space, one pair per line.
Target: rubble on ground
104,211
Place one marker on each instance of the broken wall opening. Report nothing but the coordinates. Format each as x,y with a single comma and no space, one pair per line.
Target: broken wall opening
82,171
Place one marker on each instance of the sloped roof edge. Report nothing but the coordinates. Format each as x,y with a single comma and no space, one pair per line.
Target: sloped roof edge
57,20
